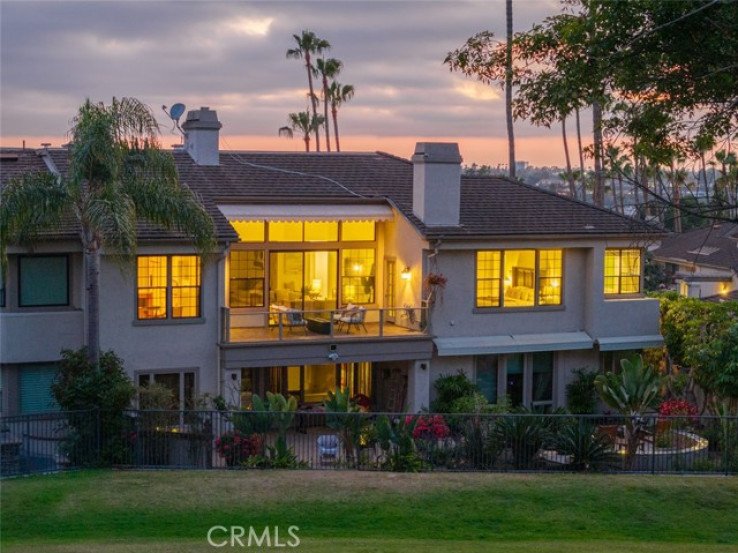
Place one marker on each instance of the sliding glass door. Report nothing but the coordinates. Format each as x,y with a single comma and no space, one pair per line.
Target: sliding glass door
305,280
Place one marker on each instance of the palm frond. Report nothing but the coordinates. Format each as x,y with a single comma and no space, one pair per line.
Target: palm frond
28,206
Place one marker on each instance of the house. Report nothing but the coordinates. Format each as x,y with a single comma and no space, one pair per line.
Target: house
322,279
703,262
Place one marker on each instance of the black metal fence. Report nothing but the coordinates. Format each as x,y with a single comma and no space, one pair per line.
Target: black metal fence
370,441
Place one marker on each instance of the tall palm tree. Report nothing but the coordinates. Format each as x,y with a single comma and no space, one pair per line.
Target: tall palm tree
303,122
329,69
338,95
117,176
307,45
508,88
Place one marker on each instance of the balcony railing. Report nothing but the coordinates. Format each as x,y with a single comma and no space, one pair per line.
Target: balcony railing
289,324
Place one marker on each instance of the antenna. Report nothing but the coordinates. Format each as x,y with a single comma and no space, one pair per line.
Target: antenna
174,113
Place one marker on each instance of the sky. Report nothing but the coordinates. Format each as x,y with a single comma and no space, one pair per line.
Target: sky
230,56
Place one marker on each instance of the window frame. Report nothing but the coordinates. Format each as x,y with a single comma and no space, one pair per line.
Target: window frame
248,280
181,374
528,377
620,276
169,292
537,278
67,276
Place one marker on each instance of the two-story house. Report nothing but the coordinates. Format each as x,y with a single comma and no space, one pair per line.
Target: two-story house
321,280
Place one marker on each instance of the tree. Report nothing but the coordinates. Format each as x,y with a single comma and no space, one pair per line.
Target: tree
308,45
338,95
303,122
328,69
117,176
509,88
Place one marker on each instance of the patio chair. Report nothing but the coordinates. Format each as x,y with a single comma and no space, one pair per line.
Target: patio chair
352,316
328,447
290,317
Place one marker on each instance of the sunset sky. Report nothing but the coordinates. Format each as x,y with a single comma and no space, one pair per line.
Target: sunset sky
230,56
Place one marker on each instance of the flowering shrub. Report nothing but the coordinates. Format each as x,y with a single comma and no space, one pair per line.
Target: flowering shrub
677,407
362,401
236,447
429,428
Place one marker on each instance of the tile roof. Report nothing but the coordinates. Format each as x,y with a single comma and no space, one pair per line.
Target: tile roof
715,245
490,206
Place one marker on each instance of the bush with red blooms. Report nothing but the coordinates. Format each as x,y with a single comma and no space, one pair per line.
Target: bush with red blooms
429,427
236,447
677,408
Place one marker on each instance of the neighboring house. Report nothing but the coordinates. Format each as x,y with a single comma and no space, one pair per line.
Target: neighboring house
703,262
318,282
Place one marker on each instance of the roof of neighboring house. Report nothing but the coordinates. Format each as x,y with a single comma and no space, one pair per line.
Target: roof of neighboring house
490,206
715,245
721,298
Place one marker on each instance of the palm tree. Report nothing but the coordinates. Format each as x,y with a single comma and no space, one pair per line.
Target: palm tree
303,122
338,95
307,45
328,68
117,176
508,87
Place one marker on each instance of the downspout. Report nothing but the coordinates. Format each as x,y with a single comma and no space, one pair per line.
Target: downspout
221,302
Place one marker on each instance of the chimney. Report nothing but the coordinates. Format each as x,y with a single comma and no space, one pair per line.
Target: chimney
201,136
437,183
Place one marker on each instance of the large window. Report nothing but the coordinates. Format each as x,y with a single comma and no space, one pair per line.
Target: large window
357,280
525,378
181,384
247,278
622,271
168,287
519,278
43,280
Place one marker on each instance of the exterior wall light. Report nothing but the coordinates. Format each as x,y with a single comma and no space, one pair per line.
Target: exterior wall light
406,274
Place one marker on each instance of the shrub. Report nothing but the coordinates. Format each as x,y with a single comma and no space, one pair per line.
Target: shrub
450,388
237,448
80,386
581,394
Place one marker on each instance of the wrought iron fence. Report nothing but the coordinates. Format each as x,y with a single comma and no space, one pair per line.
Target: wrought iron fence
371,441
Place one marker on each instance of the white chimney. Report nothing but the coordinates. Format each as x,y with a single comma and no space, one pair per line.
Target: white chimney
437,183
201,136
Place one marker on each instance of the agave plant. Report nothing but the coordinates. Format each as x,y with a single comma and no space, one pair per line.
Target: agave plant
589,450
632,392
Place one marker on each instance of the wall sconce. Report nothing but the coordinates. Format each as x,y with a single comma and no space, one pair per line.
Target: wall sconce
406,274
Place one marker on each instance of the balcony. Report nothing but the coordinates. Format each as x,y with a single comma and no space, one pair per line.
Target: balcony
291,325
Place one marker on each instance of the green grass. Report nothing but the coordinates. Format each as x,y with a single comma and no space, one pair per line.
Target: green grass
361,511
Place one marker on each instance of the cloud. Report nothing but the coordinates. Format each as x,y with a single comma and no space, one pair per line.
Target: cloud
231,56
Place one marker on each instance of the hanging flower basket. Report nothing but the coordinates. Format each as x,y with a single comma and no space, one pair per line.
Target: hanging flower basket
434,283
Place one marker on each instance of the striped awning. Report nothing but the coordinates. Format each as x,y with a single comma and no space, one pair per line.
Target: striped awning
307,212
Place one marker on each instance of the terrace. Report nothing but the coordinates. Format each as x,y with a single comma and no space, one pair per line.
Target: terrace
292,325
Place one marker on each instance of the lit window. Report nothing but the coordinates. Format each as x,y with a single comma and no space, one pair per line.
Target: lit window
488,279
357,279
249,231
549,277
285,231
43,281
519,278
321,231
247,279
165,281
622,271
355,231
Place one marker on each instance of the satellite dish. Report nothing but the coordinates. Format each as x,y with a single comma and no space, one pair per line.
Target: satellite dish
174,113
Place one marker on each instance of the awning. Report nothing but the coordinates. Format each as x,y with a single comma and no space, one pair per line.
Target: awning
630,342
306,212
514,343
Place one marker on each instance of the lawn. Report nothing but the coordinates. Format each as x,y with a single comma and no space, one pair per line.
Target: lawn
171,511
